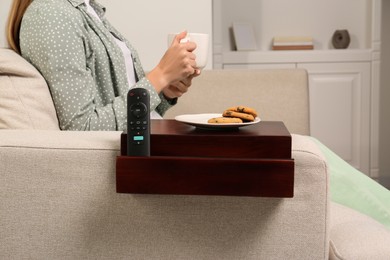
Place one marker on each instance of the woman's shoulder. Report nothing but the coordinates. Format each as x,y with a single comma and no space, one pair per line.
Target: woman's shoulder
56,10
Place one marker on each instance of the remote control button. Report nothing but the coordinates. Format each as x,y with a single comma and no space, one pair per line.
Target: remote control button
139,109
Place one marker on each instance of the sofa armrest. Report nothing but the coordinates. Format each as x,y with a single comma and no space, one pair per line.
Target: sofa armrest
60,140
59,200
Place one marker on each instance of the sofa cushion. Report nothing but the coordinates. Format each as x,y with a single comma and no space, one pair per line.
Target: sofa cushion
354,235
25,100
276,94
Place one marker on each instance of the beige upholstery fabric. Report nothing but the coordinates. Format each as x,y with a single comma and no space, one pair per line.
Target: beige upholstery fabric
58,198
356,236
25,101
280,95
58,201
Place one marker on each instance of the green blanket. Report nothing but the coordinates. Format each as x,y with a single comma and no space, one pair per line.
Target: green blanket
354,189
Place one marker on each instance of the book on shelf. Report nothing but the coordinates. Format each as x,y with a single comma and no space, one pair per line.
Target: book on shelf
293,47
292,43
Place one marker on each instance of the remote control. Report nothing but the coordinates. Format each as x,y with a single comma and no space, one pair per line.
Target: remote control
138,122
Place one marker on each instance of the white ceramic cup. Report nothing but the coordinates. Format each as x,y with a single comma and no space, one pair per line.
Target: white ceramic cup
202,46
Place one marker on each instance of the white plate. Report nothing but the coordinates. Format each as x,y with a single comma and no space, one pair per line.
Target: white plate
200,121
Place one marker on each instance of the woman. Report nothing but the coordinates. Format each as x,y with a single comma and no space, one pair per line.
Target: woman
90,67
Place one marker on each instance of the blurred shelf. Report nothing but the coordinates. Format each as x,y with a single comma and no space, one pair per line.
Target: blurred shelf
296,56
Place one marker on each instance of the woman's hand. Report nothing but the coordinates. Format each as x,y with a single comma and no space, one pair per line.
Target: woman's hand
176,68
178,88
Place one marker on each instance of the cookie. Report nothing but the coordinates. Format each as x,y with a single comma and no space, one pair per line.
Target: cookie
243,116
224,120
244,109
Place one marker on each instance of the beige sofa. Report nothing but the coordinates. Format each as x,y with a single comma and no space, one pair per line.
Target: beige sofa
58,197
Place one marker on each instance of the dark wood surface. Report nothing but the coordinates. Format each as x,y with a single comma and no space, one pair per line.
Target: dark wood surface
252,161
266,139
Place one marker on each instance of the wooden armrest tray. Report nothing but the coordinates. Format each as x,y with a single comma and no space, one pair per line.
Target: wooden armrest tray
184,161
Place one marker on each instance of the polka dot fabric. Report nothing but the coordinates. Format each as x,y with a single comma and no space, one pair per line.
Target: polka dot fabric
83,66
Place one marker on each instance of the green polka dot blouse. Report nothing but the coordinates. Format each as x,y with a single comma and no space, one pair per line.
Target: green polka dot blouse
83,66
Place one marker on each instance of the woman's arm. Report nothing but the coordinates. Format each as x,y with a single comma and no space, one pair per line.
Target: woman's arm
86,82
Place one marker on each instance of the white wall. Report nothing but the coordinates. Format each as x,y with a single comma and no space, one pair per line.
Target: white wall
5,5
146,23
